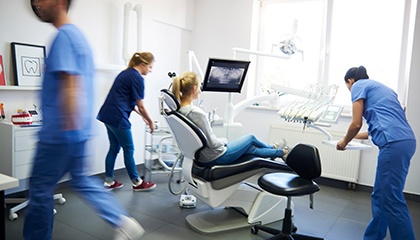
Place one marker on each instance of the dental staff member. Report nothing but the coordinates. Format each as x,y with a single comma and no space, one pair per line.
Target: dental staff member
66,101
126,95
390,131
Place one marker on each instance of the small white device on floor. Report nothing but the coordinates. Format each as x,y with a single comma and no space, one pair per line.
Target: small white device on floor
187,201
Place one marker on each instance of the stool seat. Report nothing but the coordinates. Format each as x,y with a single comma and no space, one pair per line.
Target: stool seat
287,184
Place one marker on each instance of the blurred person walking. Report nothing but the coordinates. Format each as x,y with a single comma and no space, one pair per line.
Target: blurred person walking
66,101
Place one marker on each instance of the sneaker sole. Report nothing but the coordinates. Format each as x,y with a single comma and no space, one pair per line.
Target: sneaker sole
144,189
135,233
139,234
110,189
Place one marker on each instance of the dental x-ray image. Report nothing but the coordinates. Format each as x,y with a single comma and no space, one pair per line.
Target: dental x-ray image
225,75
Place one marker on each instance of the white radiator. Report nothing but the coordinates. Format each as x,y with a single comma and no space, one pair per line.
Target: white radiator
339,165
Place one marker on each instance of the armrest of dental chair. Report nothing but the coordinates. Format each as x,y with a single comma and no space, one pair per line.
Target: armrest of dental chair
222,176
211,173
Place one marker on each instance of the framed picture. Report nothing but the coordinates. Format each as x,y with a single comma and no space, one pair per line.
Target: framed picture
2,74
28,63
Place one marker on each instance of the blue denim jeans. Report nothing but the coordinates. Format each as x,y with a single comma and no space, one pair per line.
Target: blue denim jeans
51,162
246,147
120,138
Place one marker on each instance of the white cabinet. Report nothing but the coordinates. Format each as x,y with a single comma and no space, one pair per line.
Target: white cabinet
17,149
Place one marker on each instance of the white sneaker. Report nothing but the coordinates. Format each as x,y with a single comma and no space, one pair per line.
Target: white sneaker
281,144
130,229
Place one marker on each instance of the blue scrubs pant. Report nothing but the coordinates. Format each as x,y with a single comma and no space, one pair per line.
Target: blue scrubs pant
389,208
51,162
118,138
246,147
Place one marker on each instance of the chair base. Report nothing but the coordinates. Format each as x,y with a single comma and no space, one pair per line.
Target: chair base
278,235
288,232
23,203
217,220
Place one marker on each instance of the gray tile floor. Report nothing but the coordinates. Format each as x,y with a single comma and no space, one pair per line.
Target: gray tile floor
338,214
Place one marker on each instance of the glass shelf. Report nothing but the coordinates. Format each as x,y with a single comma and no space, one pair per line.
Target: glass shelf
20,88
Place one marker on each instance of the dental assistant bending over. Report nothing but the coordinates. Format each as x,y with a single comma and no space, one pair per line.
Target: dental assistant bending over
66,101
390,131
126,95
218,151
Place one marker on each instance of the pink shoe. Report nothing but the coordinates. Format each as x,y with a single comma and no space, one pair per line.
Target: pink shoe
144,186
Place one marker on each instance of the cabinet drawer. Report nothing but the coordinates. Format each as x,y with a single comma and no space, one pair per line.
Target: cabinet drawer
23,171
24,157
25,142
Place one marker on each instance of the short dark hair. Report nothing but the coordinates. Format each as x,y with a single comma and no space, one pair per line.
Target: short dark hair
356,73
33,8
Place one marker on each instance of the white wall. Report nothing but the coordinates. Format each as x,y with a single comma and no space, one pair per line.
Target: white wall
166,33
220,26
216,36
413,111
209,28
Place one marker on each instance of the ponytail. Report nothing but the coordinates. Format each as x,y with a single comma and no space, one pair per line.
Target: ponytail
183,85
139,58
356,73
176,88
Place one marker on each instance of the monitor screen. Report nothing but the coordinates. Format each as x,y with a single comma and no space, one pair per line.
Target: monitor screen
331,113
224,75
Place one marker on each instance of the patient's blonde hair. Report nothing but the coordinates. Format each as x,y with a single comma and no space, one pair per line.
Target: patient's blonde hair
183,85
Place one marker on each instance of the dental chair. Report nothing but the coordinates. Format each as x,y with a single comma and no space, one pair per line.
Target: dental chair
231,190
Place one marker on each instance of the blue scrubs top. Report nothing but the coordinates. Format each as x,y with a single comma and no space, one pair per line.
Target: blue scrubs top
70,53
383,112
127,88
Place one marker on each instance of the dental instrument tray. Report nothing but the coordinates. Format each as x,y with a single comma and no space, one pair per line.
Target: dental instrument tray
350,146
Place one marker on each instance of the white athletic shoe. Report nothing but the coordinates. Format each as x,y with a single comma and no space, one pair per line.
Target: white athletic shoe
281,144
130,229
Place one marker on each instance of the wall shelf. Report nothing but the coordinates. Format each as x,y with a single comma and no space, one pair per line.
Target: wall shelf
110,67
99,67
20,88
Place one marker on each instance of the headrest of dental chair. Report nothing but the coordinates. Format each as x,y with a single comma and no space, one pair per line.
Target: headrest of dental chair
170,100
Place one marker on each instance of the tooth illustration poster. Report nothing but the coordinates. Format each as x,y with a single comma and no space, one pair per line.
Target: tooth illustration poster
28,63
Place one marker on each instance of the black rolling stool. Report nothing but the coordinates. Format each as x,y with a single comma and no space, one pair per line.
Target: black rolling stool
304,160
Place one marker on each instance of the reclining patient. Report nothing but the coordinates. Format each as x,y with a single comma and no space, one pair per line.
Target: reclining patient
219,151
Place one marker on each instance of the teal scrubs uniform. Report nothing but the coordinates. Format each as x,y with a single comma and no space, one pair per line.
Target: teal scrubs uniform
61,151
390,131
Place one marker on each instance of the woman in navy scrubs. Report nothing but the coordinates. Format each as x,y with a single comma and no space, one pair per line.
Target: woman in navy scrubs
390,131
125,96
